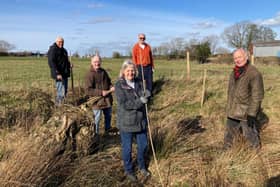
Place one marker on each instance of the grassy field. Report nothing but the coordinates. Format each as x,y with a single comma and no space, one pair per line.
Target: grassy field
17,72
188,138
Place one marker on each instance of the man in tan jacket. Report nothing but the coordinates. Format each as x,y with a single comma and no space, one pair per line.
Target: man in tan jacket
245,95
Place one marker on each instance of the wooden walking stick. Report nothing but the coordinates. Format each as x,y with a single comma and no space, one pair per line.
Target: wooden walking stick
148,121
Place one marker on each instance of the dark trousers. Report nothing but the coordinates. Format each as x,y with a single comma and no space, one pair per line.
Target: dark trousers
235,128
148,76
126,140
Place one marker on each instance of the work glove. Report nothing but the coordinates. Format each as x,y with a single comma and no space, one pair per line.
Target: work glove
147,93
143,99
251,121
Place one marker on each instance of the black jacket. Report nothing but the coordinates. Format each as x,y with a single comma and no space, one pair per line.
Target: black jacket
131,114
58,61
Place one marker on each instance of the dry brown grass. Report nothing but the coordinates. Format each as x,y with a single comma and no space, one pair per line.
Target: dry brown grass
22,108
198,159
45,155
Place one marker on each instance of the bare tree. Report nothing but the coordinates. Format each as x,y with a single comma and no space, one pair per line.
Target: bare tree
265,34
235,35
177,47
94,50
242,34
5,46
213,40
161,50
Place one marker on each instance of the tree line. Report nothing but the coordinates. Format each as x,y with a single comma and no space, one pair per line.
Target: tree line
239,35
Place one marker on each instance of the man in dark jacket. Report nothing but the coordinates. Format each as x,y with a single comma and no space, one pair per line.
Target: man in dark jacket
98,84
245,95
60,68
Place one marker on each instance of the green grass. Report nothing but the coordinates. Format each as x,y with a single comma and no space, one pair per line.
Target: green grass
24,72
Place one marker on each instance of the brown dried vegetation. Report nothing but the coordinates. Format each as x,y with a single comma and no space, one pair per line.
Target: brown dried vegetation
41,145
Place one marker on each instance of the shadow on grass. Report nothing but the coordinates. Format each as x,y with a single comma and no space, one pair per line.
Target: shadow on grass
157,85
273,181
190,126
165,140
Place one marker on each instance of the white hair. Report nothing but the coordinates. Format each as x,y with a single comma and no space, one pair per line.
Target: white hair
125,64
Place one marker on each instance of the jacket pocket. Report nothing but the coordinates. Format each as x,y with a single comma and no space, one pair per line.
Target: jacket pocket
240,111
130,118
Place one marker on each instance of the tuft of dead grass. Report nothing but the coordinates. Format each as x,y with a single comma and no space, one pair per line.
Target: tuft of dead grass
46,156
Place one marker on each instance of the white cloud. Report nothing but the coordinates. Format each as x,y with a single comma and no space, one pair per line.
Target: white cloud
100,20
275,21
192,35
95,5
205,24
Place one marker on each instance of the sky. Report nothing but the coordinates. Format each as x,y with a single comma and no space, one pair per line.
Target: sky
113,25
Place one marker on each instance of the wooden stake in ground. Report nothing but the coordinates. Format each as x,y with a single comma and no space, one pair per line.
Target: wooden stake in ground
203,88
188,66
79,85
53,88
72,76
252,60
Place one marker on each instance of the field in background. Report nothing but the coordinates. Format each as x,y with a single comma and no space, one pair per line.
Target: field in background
188,138
26,72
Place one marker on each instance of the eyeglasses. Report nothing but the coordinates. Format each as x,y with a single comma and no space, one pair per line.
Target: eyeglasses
141,38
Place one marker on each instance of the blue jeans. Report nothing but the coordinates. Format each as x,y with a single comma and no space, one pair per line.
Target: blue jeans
107,112
126,140
61,90
148,76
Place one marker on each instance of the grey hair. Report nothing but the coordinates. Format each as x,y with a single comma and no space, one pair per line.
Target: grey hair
141,34
125,64
243,51
58,38
97,56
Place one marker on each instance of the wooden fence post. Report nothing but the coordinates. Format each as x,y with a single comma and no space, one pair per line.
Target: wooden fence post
252,60
203,88
188,66
79,84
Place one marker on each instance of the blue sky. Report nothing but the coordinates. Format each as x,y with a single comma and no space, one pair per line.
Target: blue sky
113,25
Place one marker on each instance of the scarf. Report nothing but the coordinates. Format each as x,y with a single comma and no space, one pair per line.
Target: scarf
130,83
239,70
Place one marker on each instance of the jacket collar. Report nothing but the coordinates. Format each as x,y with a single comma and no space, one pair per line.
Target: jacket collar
124,84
